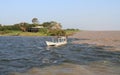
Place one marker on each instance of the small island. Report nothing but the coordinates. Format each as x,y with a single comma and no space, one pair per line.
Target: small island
52,28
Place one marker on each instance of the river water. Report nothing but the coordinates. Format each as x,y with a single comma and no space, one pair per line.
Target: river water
31,56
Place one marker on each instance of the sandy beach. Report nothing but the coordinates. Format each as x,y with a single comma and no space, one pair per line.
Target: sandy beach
99,38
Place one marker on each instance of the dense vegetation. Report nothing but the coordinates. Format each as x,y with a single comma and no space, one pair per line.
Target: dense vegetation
49,28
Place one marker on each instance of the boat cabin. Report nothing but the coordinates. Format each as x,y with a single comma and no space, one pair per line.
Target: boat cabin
57,42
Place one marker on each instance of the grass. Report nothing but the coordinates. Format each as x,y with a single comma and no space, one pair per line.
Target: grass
32,34
20,33
71,32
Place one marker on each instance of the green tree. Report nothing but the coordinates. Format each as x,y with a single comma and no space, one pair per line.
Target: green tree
35,21
52,25
57,32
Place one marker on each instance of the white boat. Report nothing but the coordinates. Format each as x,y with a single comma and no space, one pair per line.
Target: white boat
58,42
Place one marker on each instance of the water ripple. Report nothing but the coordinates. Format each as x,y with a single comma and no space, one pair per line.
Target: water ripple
18,54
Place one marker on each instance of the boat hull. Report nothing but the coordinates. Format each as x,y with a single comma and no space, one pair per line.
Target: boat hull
49,43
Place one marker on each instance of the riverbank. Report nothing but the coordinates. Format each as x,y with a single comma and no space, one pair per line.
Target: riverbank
99,38
21,33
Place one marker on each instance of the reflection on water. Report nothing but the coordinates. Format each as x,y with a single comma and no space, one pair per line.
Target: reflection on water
30,56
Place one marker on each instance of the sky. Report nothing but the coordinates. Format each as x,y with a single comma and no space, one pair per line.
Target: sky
80,14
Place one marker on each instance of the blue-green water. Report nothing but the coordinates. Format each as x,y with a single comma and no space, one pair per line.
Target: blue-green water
19,54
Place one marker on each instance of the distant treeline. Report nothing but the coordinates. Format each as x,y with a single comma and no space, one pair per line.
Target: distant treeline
24,26
16,27
49,28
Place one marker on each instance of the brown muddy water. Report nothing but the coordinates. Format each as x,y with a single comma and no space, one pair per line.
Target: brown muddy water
30,56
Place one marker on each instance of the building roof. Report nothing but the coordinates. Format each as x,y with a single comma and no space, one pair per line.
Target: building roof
38,27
